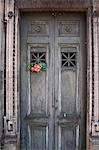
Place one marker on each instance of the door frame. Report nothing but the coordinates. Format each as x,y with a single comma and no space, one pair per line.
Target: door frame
86,84
16,103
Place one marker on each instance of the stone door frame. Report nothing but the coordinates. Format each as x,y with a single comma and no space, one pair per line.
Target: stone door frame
12,118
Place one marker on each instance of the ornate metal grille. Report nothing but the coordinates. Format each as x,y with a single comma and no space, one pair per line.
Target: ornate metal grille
37,57
68,59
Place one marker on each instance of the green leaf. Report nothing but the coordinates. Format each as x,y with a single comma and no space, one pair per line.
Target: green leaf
29,66
44,65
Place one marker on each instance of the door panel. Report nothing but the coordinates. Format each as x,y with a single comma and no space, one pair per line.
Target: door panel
68,82
69,136
69,93
39,133
53,101
36,89
38,82
69,100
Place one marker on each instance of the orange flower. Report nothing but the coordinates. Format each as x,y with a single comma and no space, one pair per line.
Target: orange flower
36,68
32,69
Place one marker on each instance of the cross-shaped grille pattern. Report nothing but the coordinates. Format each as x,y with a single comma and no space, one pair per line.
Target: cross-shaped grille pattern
68,59
37,57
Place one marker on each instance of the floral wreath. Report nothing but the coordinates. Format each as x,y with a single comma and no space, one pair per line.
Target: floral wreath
37,67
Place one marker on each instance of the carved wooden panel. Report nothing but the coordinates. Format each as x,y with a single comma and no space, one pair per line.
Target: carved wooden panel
38,89
38,138
69,137
39,28
69,54
68,92
69,28
61,5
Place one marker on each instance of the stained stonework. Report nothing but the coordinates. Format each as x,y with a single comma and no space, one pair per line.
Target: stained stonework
52,4
10,123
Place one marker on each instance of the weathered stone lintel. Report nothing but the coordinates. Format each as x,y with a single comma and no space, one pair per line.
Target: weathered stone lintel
52,4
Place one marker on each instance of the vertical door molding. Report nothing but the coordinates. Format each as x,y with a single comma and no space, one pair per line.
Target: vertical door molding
9,69
1,69
10,120
71,88
95,122
89,76
17,77
36,48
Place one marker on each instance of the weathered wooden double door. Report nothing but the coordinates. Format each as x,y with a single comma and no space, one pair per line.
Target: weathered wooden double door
53,101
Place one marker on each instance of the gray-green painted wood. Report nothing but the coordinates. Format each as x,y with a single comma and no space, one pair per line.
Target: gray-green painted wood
52,102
